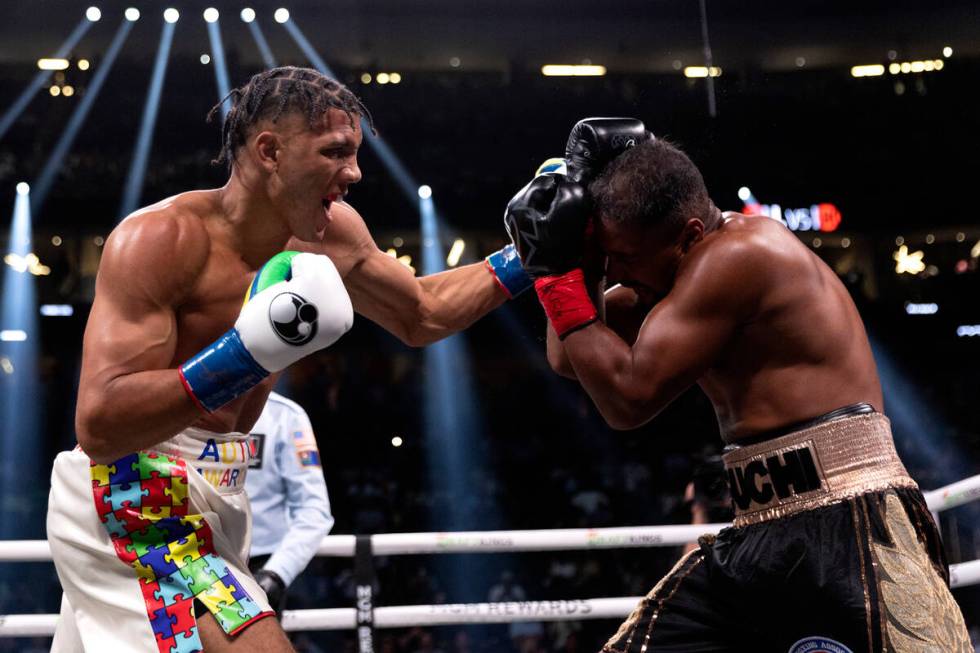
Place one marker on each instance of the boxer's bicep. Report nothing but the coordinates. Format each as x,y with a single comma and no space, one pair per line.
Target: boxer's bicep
146,269
676,345
687,332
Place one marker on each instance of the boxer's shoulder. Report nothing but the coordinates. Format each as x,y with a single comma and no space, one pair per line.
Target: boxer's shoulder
161,249
346,240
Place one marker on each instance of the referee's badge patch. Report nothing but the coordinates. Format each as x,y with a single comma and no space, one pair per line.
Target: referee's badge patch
256,447
305,445
818,645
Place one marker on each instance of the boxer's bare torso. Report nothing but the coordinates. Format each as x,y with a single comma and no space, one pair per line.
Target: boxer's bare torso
754,317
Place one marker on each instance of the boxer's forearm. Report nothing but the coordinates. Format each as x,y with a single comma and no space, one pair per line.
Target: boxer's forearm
132,412
421,310
453,300
604,364
557,358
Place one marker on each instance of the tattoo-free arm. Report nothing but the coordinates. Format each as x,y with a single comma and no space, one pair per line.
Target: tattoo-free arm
680,339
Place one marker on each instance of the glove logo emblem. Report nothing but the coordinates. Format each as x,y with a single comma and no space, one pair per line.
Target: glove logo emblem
622,142
293,318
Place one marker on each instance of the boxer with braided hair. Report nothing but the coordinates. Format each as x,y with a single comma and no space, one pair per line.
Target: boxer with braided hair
147,518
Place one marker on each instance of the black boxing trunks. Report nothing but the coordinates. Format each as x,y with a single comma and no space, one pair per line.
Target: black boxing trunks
832,550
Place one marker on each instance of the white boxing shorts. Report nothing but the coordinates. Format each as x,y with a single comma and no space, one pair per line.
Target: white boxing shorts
136,542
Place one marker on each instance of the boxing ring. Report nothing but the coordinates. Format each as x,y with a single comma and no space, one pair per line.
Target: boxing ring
365,616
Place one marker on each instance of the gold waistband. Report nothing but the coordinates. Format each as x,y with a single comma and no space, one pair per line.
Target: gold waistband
814,467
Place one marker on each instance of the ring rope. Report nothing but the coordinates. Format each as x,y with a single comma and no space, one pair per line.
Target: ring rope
40,625
402,616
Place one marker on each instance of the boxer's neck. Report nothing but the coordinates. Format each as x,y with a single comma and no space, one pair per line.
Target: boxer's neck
254,227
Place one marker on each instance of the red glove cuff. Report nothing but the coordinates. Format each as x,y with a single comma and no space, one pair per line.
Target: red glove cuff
566,301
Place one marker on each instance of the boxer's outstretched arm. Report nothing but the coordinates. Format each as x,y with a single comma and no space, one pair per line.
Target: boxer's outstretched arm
680,339
418,310
127,398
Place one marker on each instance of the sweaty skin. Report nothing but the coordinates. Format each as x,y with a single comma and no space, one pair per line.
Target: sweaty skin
740,307
173,277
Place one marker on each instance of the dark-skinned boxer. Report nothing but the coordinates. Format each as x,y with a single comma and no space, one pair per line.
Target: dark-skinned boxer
832,547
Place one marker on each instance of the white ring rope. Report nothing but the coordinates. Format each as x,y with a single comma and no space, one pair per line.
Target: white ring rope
944,498
37,625
401,616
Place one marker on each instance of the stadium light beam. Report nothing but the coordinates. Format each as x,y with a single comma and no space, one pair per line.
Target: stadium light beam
20,398
93,14
53,165
281,15
247,15
220,69
141,151
132,14
452,424
171,15
211,15
253,26
40,79
406,182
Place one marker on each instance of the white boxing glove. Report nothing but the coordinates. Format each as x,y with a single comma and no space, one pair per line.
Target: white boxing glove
296,305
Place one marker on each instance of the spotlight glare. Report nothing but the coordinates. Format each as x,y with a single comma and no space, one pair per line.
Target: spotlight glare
947,52
56,241
365,78
55,90
870,70
281,15
396,441
23,188
572,70
845,242
83,64
248,14
455,252
52,64
171,15
57,310
132,14
383,78
395,78
211,15
68,90
455,62
13,335
205,59
425,191
744,193
700,71
93,14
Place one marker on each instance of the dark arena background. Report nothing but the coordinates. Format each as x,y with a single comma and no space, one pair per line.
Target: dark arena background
860,116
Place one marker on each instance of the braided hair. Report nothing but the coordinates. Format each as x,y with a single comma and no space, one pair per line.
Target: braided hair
271,93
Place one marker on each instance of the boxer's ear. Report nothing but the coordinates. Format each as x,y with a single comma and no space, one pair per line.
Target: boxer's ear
691,233
265,148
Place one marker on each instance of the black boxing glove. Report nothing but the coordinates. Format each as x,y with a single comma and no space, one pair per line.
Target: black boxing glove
547,221
274,587
594,142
